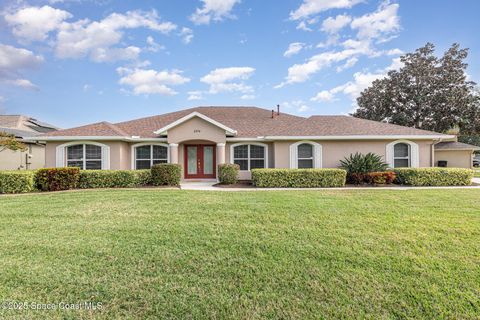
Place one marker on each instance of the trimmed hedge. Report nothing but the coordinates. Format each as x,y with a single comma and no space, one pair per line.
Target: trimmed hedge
434,176
55,179
17,181
298,178
166,174
228,173
114,178
386,177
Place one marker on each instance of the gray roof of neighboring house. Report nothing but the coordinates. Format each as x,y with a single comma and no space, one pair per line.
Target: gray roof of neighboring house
26,124
19,133
250,122
454,145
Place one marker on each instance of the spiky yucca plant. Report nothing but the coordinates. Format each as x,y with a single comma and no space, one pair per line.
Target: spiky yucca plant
358,164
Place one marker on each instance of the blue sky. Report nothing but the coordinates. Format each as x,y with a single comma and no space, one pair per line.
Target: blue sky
74,62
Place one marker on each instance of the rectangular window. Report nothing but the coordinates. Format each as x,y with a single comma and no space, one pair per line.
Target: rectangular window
305,156
249,156
148,155
84,156
305,163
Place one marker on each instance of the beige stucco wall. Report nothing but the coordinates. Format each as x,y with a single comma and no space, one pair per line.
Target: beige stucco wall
120,156
334,151
196,129
16,160
278,152
455,158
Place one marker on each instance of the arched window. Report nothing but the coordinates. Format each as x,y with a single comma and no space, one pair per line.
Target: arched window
249,156
146,155
401,155
305,155
84,156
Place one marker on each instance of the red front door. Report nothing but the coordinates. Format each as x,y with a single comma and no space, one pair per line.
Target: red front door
200,161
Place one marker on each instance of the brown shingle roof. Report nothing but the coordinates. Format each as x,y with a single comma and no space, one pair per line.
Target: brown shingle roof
248,122
103,129
349,126
454,145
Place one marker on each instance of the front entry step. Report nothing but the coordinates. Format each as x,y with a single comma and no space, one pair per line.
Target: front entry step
198,184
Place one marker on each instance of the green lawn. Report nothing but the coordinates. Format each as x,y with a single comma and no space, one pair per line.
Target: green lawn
288,254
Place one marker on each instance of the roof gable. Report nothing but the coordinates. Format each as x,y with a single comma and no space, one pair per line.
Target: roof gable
194,114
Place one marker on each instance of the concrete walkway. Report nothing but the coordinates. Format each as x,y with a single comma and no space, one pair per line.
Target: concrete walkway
209,186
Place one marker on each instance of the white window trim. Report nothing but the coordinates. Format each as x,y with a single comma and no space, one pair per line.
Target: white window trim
249,143
317,154
61,153
414,153
133,152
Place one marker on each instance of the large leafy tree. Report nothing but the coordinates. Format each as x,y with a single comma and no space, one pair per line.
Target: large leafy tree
428,92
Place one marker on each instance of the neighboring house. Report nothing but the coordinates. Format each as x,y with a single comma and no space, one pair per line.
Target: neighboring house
23,127
200,138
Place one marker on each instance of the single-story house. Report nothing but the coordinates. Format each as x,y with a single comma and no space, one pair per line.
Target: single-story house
200,138
23,127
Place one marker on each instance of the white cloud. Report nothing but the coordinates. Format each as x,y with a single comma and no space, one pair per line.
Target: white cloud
23,83
379,23
34,23
303,26
248,97
302,72
215,10
151,81
13,61
187,35
229,80
311,7
323,96
154,46
195,95
350,63
293,49
296,105
95,39
333,25
371,28
361,81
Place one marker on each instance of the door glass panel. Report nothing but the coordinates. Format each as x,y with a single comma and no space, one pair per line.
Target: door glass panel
192,160
208,160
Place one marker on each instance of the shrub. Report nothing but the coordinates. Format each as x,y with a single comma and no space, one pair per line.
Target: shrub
358,164
113,178
166,174
17,181
228,173
54,179
386,177
142,177
298,178
434,176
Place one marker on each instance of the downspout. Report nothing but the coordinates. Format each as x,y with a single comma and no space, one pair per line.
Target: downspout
432,152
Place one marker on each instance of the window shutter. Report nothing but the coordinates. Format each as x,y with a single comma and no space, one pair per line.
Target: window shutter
60,157
317,149
415,156
293,156
389,154
105,157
